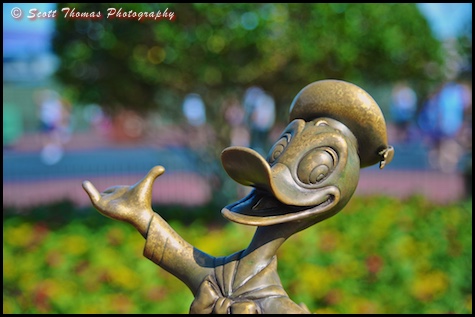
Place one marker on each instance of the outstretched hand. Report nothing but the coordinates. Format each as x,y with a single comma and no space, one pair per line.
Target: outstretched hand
126,203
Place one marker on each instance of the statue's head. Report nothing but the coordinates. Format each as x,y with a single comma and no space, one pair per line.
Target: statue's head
311,172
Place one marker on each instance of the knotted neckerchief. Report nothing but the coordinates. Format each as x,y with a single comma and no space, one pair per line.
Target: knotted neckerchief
228,292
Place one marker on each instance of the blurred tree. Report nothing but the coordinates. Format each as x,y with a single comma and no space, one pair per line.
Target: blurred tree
218,49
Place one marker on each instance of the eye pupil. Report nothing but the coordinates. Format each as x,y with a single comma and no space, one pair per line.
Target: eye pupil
318,174
316,166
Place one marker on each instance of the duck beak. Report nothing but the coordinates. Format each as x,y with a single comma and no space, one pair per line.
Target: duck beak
276,197
247,167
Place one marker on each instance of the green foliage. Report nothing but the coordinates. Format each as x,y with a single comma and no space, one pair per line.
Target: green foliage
221,49
379,255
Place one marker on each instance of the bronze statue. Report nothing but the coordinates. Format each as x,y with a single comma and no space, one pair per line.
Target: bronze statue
309,175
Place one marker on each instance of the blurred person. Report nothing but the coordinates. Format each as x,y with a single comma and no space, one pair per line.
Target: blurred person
127,126
55,124
441,120
194,109
200,135
66,121
403,108
234,116
259,117
465,138
98,119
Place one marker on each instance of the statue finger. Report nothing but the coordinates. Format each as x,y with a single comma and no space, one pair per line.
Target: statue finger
92,192
148,180
144,186
156,171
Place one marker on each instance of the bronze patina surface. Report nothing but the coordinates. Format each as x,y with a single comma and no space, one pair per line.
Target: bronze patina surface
335,129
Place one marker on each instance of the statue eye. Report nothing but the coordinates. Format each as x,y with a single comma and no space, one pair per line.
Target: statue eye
279,147
316,165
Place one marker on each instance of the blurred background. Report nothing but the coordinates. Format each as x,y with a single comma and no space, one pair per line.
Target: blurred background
107,98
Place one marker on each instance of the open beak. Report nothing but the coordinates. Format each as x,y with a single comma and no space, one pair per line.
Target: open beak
276,197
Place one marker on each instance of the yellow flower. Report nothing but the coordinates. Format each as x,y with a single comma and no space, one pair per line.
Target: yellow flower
212,243
75,244
20,235
468,303
10,268
314,279
9,306
125,277
426,286
325,311
406,247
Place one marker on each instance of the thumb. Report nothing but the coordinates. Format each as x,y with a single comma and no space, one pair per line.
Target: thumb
91,191
144,186
156,171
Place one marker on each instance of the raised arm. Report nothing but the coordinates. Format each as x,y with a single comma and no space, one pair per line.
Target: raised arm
164,246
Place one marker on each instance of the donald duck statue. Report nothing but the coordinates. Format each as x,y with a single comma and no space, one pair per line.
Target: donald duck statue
335,129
